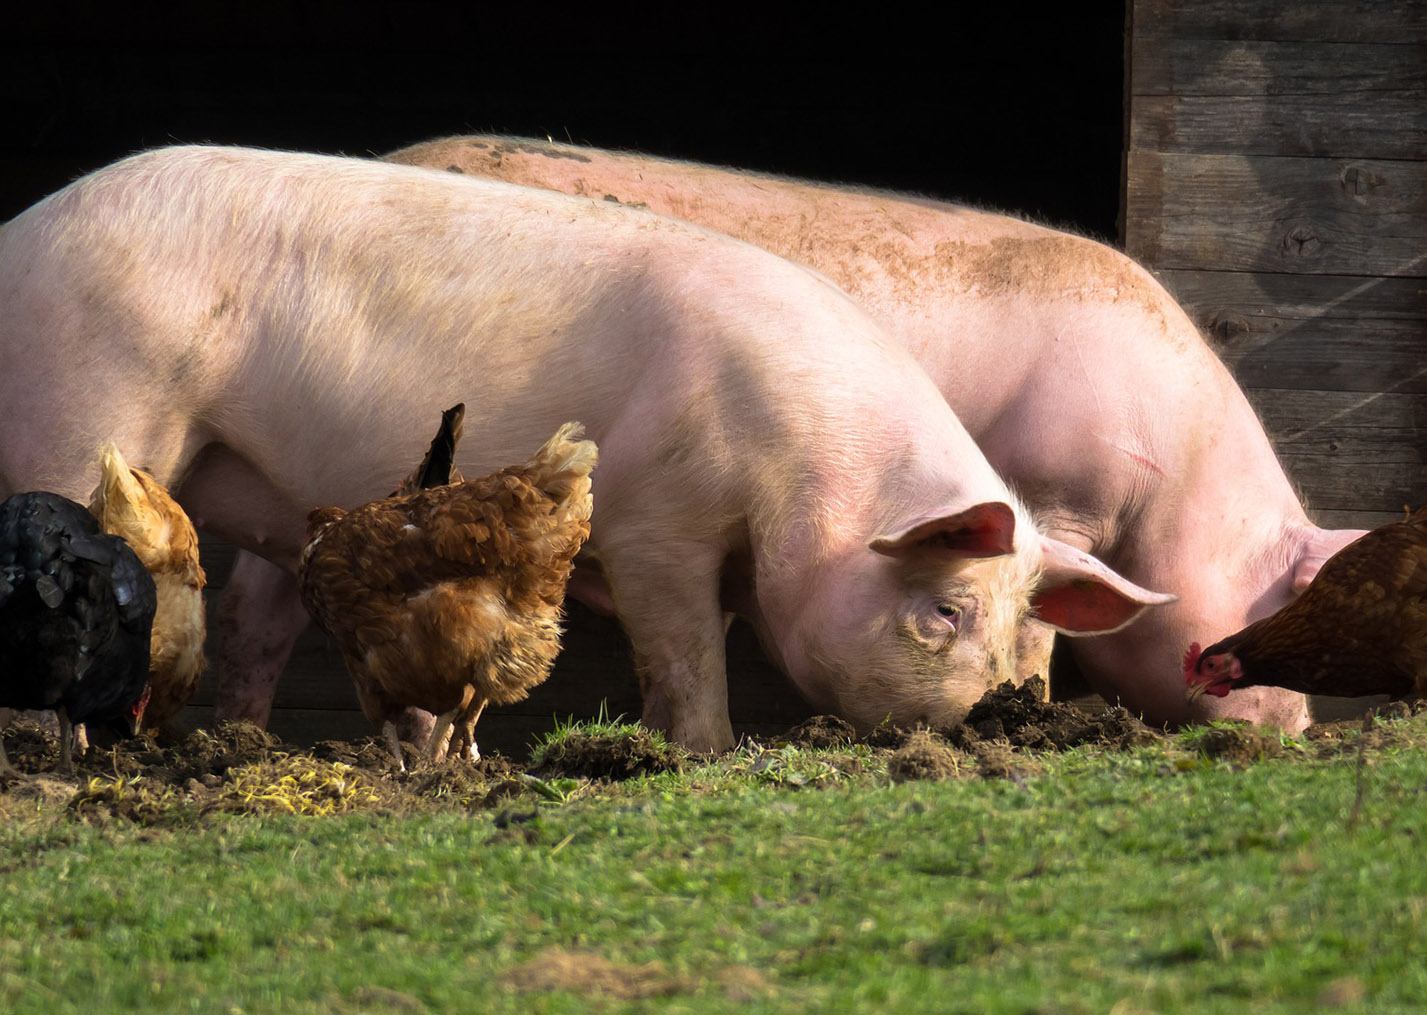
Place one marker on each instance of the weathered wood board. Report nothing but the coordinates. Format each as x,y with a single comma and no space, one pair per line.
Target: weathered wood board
1276,182
1382,21
1323,216
1328,333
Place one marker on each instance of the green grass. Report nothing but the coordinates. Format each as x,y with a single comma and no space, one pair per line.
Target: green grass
1157,880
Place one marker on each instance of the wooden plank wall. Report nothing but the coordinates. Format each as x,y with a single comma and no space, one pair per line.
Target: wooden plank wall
1276,182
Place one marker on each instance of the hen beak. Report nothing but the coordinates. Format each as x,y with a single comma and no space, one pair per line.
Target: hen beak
1195,691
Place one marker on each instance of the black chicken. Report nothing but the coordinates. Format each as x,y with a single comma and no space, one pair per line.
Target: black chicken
76,612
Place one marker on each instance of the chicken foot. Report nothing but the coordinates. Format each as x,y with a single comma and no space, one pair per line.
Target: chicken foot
440,733
464,739
393,742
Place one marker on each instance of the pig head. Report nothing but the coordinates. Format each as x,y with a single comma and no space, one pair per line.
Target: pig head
968,584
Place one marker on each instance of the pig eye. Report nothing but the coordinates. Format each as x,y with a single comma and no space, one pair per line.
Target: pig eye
950,612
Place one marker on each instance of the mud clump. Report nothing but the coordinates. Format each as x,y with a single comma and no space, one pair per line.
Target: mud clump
1022,718
924,756
1404,709
369,754
31,748
237,768
484,783
214,752
613,756
1239,745
821,732
996,759
887,735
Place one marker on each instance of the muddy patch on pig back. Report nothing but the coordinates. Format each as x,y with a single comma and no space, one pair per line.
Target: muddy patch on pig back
1050,266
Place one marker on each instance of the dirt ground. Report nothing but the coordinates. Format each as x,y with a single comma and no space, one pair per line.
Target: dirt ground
238,768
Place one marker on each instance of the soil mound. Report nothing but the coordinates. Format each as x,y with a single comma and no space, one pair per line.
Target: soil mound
1239,744
820,732
925,756
1021,717
629,752
588,973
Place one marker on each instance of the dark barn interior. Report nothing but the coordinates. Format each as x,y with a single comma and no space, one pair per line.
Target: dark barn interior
1009,110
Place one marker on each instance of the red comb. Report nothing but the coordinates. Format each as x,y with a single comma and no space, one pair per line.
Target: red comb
1191,660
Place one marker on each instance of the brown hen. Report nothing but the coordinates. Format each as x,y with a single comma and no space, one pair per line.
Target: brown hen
130,503
1360,628
449,598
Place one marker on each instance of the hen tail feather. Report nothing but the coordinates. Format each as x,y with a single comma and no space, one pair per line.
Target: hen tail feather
562,467
438,468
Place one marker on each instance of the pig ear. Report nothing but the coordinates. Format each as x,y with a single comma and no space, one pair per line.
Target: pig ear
986,530
1078,594
1317,548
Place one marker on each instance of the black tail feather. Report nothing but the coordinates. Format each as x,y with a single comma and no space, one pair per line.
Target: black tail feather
440,460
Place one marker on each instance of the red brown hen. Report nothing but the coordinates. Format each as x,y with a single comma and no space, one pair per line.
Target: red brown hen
449,598
1360,628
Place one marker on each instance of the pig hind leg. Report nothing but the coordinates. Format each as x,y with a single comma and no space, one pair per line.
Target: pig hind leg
260,617
667,597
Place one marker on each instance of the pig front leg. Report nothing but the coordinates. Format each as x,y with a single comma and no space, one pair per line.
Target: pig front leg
667,597
260,617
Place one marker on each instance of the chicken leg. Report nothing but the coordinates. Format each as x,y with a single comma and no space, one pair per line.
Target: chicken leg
465,740
440,733
66,741
393,742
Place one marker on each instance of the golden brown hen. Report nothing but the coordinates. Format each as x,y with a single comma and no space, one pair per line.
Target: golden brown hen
449,598
130,503
1360,628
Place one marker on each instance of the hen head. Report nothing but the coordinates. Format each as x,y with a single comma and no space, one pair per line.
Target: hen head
1215,672
122,725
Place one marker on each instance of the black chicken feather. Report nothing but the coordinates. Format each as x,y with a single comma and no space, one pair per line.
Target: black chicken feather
76,612
440,458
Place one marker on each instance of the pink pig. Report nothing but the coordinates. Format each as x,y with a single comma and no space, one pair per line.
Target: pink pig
1083,381
267,332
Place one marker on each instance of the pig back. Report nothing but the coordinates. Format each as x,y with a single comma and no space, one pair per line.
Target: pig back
314,313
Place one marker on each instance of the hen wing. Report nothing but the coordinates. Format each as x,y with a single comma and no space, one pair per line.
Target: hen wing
1372,596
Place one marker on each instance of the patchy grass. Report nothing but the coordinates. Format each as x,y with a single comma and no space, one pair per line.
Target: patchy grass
1162,877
